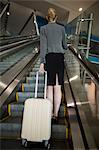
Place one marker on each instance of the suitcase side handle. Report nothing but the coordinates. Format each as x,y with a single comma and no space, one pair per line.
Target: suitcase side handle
45,84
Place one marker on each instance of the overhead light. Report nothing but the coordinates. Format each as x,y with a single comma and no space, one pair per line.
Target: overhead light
82,19
8,13
34,21
36,49
80,9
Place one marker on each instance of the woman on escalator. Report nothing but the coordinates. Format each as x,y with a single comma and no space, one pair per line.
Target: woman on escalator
52,45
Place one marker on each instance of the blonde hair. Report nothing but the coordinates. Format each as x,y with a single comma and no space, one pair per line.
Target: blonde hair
51,15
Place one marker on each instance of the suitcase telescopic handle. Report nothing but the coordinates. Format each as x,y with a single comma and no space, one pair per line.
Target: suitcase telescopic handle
45,84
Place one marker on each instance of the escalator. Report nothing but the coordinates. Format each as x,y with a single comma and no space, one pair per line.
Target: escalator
72,130
85,92
14,39
11,59
11,125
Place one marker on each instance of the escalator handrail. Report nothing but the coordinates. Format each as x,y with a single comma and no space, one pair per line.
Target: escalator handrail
5,47
78,142
13,49
90,68
17,37
87,137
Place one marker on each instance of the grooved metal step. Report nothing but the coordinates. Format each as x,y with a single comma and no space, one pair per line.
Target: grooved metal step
22,96
10,130
10,60
11,127
6,63
62,111
37,66
32,74
3,69
59,132
15,109
31,80
31,87
35,69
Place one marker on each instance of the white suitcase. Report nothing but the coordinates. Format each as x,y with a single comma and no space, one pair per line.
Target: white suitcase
36,125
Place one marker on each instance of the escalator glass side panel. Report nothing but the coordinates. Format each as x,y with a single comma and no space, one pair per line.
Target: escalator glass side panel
86,98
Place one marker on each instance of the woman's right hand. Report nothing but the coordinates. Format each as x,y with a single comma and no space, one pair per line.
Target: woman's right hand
41,69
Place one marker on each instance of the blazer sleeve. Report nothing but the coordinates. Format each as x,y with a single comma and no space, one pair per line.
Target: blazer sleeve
64,43
43,45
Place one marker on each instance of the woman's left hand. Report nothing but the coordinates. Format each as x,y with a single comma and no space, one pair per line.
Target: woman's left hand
41,69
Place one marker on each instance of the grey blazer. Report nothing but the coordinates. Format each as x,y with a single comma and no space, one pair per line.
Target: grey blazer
52,40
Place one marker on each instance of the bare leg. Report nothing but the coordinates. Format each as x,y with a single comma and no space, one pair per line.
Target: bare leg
50,94
57,97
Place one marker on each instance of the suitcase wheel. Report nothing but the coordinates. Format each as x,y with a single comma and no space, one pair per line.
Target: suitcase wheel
47,145
24,142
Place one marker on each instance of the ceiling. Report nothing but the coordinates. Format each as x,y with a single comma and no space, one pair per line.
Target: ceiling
66,9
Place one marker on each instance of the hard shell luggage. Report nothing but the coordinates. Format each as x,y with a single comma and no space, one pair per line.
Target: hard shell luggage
36,125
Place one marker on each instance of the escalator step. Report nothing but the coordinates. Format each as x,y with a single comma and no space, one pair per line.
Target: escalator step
9,60
62,111
35,69
15,109
32,74
3,68
2,71
10,127
22,96
38,62
31,87
31,80
6,63
10,130
59,132
37,66
13,129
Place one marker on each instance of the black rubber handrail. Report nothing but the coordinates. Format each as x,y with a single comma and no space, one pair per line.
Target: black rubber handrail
16,37
10,45
6,52
88,139
91,69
